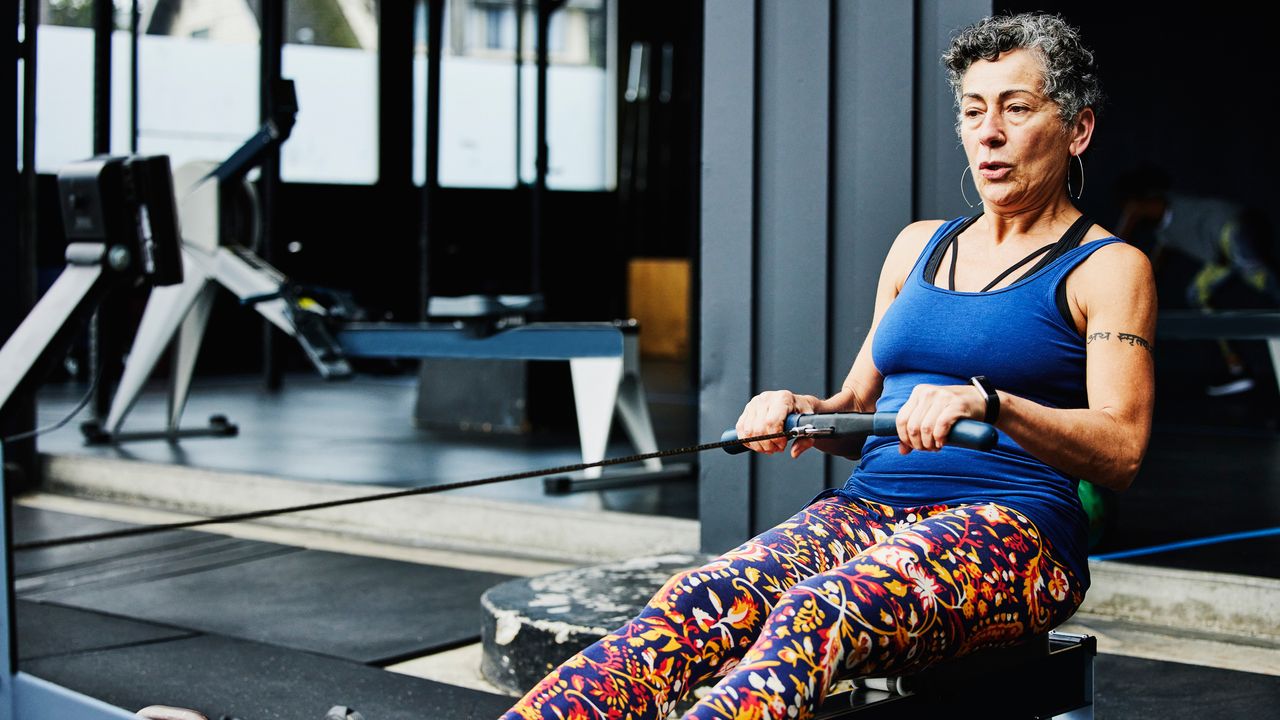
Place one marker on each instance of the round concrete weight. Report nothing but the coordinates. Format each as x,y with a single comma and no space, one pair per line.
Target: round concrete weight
531,625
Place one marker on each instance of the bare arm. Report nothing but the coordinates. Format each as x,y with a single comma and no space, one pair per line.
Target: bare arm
1113,294
1105,442
862,386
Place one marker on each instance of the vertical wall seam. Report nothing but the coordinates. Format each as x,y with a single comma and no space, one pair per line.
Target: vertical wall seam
754,335
916,120
833,143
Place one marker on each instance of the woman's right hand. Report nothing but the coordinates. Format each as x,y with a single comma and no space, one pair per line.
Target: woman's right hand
767,413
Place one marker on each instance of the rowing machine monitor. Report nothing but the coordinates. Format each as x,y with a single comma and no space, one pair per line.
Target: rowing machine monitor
122,226
126,204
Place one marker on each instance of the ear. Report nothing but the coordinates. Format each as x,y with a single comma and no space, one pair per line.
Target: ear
1081,131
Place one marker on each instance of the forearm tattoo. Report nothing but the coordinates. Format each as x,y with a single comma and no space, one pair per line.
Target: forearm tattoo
1129,338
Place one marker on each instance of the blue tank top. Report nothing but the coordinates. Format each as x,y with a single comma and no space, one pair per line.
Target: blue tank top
1018,338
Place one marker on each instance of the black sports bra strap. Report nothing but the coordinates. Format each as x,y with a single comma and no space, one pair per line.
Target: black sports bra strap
931,267
1035,254
955,253
1070,240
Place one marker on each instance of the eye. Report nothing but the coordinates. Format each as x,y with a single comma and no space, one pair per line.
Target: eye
971,112
1019,109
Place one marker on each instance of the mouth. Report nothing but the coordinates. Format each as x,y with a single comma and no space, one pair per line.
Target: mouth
994,170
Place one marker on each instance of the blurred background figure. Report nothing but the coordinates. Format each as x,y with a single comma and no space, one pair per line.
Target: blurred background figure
1208,253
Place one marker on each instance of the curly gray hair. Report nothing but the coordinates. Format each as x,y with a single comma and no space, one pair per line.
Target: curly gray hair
1069,72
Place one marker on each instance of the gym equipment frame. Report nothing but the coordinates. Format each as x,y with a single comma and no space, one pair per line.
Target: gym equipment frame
121,222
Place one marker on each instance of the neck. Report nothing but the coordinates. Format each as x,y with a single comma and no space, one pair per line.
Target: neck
1043,219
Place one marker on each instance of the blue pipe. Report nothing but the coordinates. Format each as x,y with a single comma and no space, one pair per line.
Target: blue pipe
1212,540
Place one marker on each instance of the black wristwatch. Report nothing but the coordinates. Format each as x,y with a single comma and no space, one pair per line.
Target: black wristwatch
989,392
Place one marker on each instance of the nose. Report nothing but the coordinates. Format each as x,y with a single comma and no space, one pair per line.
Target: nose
991,131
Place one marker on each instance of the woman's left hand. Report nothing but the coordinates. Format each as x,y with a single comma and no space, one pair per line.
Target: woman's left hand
926,419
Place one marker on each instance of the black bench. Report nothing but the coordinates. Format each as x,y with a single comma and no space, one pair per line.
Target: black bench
1050,676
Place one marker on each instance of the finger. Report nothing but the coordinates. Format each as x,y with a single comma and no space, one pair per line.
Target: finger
778,409
741,426
928,427
942,427
781,404
800,445
911,433
755,426
760,425
748,424
947,416
904,415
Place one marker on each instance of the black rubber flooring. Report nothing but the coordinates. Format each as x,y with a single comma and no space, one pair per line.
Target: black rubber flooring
52,573
239,628
1126,687
50,630
31,525
364,609
367,610
251,681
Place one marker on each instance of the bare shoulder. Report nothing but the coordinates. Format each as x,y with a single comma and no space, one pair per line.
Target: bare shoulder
1097,232
915,236
1115,278
906,248
1115,262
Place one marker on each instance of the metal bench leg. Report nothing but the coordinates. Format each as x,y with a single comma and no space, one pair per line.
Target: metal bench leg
165,312
185,350
596,382
633,407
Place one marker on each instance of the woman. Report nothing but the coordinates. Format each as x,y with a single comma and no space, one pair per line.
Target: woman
929,551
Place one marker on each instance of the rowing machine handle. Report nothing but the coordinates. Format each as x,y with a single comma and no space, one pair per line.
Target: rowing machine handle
971,434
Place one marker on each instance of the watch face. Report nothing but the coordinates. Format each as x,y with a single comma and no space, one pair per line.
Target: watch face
989,394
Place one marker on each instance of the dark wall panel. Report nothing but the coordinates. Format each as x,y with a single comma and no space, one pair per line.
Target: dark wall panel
791,273
940,159
872,157
823,135
727,261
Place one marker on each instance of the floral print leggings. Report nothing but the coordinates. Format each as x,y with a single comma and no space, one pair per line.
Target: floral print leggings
843,588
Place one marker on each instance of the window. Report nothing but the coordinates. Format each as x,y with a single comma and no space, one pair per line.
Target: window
197,79
479,85
331,54
64,84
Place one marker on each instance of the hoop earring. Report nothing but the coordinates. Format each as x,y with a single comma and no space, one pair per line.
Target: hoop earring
1079,195
962,192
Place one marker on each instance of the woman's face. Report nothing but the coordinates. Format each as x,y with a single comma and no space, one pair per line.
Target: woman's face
1016,145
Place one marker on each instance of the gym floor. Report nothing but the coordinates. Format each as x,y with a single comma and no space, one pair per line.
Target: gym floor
361,433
